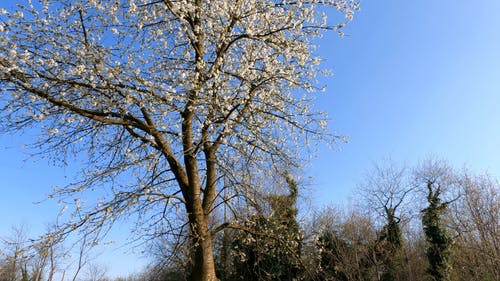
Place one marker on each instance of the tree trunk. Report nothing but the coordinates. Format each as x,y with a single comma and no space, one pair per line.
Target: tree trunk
201,249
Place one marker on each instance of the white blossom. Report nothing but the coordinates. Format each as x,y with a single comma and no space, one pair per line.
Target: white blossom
141,87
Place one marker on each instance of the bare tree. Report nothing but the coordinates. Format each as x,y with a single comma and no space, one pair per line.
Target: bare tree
163,99
385,191
23,258
475,218
96,272
14,255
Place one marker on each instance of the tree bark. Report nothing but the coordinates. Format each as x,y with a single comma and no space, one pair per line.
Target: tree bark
198,209
201,250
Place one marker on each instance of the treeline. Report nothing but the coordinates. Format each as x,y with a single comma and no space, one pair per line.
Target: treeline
429,222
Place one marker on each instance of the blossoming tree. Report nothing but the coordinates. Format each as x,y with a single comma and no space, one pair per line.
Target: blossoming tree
169,101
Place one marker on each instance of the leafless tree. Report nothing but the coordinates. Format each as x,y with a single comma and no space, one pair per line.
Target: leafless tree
385,191
24,258
475,218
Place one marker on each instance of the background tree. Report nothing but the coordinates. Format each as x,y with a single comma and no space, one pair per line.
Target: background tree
415,263
345,246
475,220
436,179
96,272
270,248
163,99
385,191
14,256
21,259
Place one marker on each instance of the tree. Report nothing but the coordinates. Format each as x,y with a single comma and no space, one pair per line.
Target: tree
414,267
437,180
173,94
270,249
96,272
385,191
345,246
475,219
14,264
22,260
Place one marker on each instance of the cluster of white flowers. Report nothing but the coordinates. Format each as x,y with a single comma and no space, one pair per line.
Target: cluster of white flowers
100,70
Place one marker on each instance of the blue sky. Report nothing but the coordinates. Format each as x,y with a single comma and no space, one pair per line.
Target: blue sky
412,79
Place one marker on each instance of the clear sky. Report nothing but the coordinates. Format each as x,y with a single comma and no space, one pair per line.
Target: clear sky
412,79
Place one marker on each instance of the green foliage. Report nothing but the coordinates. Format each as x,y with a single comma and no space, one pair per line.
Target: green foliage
391,233
331,245
391,240
271,250
346,248
439,242
272,254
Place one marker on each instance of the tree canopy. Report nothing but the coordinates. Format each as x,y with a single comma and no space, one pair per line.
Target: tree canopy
165,99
